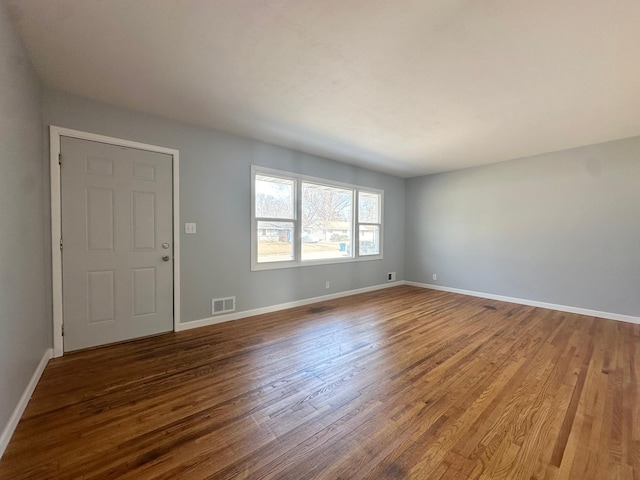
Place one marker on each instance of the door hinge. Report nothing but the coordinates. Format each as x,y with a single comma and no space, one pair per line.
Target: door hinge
60,159
62,329
60,243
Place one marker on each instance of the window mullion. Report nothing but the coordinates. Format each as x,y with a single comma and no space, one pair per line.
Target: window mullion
297,246
274,219
356,224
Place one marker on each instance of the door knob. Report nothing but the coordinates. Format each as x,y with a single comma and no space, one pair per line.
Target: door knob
166,258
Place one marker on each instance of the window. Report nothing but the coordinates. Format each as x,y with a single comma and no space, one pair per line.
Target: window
327,221
369,222
275,214
299,220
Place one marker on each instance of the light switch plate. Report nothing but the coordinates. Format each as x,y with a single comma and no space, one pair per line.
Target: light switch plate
189,228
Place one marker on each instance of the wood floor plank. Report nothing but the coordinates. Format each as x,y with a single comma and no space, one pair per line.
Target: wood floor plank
398,383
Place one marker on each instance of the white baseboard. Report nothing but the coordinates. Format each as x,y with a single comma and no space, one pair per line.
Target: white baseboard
532,303
24,400
282,306
521,301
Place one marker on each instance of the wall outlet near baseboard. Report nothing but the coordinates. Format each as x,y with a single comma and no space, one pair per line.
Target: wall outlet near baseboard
435,276
391,277
327,284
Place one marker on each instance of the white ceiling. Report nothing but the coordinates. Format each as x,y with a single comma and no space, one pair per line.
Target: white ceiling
407,87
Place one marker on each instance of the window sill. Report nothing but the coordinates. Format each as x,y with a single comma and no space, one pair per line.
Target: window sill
310,263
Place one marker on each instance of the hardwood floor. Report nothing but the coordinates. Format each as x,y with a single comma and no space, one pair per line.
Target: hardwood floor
398,383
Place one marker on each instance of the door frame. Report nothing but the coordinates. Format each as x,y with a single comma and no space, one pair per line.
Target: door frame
55,133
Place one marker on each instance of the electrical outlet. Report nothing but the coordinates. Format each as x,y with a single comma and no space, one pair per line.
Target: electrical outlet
435,277
326,284
391,277
189,228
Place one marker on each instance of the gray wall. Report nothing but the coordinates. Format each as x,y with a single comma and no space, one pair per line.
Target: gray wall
25,305
215,193
562,228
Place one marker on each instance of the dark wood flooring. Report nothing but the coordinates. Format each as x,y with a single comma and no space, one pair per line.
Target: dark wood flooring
399,383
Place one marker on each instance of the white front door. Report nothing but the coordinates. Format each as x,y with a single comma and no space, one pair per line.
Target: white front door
117,256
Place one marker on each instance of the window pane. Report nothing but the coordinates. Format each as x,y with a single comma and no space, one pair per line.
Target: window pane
275,241
369,240
368,207
327,222
274,197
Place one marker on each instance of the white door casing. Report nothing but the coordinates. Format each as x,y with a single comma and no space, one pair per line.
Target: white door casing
117,210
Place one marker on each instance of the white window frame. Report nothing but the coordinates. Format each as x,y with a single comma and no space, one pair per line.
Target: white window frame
369,224
297,221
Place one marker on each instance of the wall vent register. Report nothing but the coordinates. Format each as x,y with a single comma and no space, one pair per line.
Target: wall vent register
223,305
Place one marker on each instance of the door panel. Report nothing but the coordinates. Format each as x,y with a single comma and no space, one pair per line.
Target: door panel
116,214
144,291
143,215
101,296
100,221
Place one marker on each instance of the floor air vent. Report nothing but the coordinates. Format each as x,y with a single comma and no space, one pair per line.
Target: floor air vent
223,305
